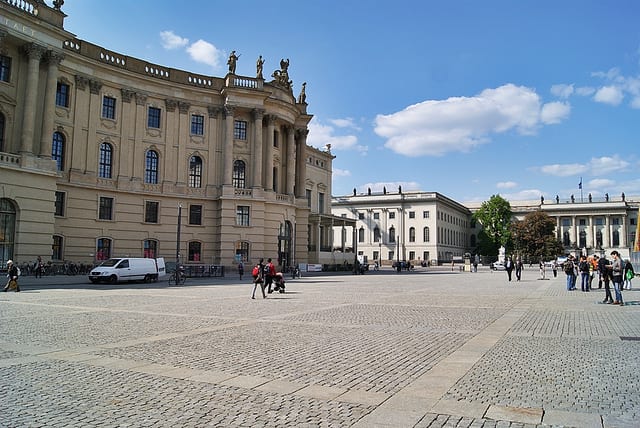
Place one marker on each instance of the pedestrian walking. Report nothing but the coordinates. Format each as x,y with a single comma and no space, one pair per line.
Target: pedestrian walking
519,267
240,269
258,279
605,275
617,270
629,274
508,265
269,274
12,273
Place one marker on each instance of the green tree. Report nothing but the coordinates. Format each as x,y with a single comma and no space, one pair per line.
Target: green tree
495,217
534,237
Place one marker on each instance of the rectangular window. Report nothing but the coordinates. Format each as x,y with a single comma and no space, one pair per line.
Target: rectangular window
5,68
60,197
105,209
275,138
108,107
197,124
62,95
392,214
376,216
360,216
425,214
240,130
151,209
153,118
242,215
320,203
412,214
308,193
195,215
195,251
56,248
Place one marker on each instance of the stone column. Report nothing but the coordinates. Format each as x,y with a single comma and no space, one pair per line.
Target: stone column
590,234
257,115
574,231
46,142
227,154
623,231
268,153
213,141
606,236
34,53
291,170
301,162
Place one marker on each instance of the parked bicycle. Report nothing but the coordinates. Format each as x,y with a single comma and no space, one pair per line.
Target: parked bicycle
178,277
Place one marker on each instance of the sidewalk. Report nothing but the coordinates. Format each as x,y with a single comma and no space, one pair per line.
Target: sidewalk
418,349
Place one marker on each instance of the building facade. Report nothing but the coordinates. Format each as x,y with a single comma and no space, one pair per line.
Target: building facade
105,155
428,227
412,226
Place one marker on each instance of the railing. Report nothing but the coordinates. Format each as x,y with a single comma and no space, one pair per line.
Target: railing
244,82
242,192
25,6
10,159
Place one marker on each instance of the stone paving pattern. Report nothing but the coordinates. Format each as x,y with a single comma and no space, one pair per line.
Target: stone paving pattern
431,348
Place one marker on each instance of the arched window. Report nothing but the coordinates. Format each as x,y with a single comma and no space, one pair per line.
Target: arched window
105,162
57,150
103,249
195,171
1,132
412,235
150,248
7,230
376,234
151,167
566,239
361,234
392,234
238,179
425,234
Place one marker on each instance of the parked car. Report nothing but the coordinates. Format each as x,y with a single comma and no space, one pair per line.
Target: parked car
497,266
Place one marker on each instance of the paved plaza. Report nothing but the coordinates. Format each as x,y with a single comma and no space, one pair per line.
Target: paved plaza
431,348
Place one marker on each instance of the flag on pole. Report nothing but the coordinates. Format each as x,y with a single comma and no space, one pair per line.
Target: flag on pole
580,184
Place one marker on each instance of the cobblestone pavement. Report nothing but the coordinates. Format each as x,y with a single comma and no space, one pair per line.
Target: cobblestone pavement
422,349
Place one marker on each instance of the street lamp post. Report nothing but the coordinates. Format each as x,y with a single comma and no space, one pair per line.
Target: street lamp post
178,235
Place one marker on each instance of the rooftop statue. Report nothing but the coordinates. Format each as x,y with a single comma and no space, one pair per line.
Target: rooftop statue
282,76
232,61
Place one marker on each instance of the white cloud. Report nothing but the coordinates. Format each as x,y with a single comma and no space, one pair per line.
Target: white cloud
612,95
345,123
435,127
506,185
600,183
563,170
337,172
555,112
206,53
321,135
170,40
523,195
595,167
562,90
585,91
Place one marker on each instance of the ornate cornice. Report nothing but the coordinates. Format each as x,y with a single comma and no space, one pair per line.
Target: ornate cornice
227,111
183,107
81,82
95,86
141,99
213,111
257,114
34,51
55,57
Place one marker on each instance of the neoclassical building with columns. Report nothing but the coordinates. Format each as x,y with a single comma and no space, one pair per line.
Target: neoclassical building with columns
105,155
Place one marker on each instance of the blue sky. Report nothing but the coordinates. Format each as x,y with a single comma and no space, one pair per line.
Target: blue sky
466,98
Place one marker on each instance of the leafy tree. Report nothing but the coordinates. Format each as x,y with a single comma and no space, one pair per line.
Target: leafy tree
495,217
534,237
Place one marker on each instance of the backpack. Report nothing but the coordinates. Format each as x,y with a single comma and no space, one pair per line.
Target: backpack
568,267
266,270
256,271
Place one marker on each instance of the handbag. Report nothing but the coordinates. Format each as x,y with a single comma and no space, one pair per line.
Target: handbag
629,275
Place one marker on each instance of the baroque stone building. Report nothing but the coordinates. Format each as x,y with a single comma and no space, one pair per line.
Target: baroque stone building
105,155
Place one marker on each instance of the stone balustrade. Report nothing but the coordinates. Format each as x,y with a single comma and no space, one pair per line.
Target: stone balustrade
9,159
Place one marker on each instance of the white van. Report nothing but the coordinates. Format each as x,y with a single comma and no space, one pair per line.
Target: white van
128,269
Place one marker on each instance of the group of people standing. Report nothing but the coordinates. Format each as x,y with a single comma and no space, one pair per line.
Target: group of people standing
616,271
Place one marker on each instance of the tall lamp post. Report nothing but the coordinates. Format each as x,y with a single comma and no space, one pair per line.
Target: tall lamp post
178,235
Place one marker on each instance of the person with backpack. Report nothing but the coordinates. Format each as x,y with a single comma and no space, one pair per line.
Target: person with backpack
569,269
258,278
583,267
12,273
629,274
269,274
